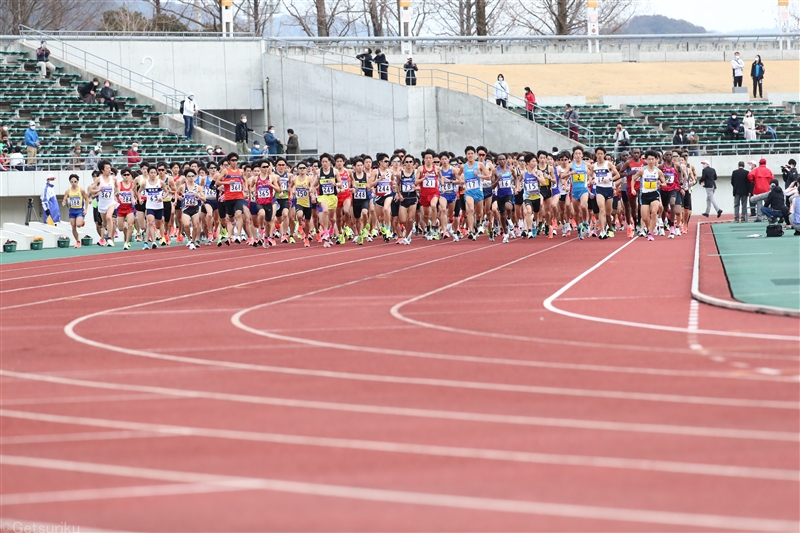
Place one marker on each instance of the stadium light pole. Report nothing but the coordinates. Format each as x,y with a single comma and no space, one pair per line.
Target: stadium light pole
227,18
592,24
405,21
783,17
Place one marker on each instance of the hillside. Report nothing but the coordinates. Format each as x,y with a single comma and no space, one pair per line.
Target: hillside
659,24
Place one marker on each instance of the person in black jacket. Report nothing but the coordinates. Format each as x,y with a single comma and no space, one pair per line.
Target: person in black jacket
411,71
241,135
383,65
775,204
109,96
87,91
741,191
366,62
757,73
734,126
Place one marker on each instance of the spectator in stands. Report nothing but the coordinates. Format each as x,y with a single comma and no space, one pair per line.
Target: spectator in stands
679,139
242,137
76,163
271,141
622,139
741,192
734,126
190,110
32,143
762,129
5,141
530,103
757,73
87,91
366,62
4,159
256,152
749,124
219,154
209,157
109,96
46,68
760,177
133,154
383,65
708,179
501,91
411,71
94,157
693,143
737,64
571,116
775,204
16,161
293,146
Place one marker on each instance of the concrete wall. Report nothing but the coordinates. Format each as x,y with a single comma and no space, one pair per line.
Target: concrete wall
17,187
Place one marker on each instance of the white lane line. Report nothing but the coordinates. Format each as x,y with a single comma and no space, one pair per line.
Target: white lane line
548,303
692,431
171,280
52,268
694,320
77,437
84,399
237,321
415,498
110,493
145,429
191,263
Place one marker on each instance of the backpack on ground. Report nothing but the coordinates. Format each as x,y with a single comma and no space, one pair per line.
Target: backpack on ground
774,230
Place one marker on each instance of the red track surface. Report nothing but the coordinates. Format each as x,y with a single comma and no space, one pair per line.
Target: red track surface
298,389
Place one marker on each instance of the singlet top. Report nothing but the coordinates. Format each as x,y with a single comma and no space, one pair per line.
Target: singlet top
530,186
344,177
579,176
446,186
263,191
555,185
234,185
105,197
546,171
154,194
429,183
634,169
384,185
672,177
360,186
650,180
471,180
74,199
301,191
603,176
408,187
210,190
327,183
190,197
504,184
284,181
126,193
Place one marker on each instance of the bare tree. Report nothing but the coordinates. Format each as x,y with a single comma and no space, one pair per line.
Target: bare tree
325,18
47,15
256,15
471,17
568,17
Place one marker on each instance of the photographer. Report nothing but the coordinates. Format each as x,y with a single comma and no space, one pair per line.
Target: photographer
789,171
622,140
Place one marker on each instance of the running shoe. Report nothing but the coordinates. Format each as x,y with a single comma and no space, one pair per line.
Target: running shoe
399,240
284,238
505,238
180,238
610,234
271,241
491,237
630,231
224,233
650,237
126,246
456,237
348,232
326,244
77,244
192,246
145,245
110,242
306,244
677,232
407,240
603,236
101,242
342,238
153,245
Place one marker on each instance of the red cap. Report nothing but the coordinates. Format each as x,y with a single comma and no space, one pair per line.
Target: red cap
762,162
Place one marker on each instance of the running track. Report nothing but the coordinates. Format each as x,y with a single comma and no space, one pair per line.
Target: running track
439,386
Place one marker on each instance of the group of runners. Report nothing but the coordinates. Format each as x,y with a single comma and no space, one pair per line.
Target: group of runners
335,198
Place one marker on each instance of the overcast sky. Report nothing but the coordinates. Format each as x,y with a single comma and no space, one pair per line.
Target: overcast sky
719,15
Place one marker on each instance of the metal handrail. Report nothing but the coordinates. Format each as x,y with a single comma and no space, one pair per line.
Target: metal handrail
426,77
170,96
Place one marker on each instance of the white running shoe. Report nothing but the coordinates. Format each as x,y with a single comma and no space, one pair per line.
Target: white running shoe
505,238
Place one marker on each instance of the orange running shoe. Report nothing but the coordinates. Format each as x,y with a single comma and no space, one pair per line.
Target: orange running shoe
305,242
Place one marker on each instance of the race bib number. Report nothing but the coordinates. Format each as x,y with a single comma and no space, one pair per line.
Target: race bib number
407,186
301,193
446,187
486,184
125,197
154,196
105,194
264,192
384,188
650,185
579,177
236,186
429,183
505,183
189,201
531,186
472,185
211,194
361,194
670,178
75,202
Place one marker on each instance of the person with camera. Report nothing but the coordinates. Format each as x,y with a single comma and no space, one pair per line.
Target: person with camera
789,171
622,140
